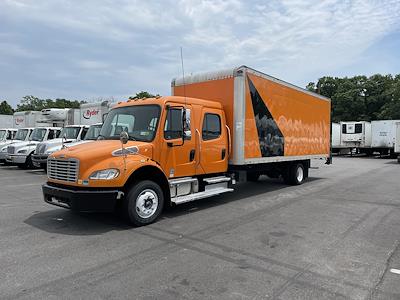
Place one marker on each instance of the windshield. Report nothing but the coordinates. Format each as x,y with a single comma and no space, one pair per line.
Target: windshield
38,134
93,133
139,121
70,132
2,134
21,134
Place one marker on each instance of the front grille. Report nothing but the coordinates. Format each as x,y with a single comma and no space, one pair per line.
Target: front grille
63,169
40,148
10,149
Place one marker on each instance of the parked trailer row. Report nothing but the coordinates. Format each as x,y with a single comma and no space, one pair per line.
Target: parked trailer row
366,137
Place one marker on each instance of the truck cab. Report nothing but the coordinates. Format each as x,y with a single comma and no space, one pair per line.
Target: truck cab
151,152
20,154
22,134
69,134
7,134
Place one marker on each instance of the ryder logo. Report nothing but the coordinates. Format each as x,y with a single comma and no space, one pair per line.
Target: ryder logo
19,121
90,113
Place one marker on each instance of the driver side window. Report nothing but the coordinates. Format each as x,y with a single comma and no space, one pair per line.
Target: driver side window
173,124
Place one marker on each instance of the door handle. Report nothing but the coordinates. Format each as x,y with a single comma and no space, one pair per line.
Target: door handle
223,154
192,154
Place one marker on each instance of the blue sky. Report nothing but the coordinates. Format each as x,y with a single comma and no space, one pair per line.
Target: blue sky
93,49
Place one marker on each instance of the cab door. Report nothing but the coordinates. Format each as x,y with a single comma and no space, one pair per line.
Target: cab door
213,141
178,152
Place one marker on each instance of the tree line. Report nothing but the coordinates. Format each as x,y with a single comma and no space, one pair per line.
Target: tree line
361,98
353,98
36,104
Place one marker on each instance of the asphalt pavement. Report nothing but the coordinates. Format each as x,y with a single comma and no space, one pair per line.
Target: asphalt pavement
335,237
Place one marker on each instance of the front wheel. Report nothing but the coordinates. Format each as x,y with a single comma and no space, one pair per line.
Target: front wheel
144,203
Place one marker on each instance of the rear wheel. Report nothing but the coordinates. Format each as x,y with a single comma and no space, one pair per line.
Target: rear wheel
144,203
295,174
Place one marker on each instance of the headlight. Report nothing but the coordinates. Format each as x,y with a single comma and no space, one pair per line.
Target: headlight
4,149
105,174
22,151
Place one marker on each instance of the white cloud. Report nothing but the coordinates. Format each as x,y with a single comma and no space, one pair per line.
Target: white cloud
118,47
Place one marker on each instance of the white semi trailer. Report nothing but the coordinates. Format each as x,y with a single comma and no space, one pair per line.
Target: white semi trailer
383,136
23,119
356,135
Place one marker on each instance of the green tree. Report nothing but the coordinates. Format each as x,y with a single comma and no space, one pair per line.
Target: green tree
5,108
34,103
143,94
361,97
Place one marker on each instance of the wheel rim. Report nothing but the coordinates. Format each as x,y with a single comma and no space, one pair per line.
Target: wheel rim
299,174
146,203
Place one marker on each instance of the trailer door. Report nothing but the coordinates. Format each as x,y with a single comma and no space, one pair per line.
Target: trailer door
214,142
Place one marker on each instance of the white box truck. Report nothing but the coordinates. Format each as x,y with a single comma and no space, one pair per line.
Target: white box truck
92,113
23,119
383,136
356,135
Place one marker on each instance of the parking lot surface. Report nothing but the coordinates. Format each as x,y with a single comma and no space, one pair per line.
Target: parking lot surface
334,237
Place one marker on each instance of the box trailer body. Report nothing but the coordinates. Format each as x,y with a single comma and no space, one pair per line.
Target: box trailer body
92,113
215,129
23,119
356,134
6,121
270,120
384,135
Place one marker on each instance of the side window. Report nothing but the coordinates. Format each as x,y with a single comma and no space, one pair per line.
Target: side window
84,131
344,128
9,135
173,124
211,127
58,132
358,128
51,134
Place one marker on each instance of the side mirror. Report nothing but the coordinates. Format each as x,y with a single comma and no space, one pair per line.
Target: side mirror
103,117
124,137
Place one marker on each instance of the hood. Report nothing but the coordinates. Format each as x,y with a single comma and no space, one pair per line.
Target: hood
20,144
59,141
100,150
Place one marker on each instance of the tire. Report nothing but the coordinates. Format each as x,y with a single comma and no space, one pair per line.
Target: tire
28,164
295,174
144,203
253,176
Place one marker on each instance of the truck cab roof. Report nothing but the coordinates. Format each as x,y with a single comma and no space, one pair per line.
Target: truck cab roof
162,101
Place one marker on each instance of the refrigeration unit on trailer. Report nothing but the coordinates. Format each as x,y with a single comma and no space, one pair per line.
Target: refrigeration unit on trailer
20,153
383,136
69,134
356,135
219,128
22,134
6,121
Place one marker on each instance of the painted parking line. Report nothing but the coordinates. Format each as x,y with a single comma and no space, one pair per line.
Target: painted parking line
395,271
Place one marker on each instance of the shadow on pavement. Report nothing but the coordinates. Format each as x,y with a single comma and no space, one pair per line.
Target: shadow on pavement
63,221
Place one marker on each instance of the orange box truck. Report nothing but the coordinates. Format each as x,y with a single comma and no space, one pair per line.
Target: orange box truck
216,129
